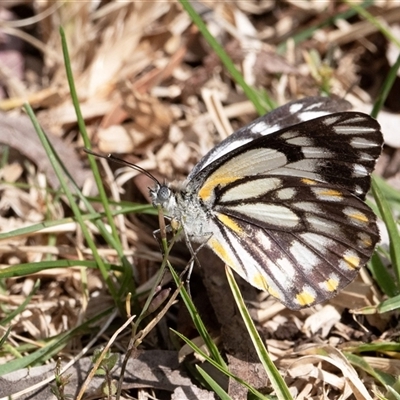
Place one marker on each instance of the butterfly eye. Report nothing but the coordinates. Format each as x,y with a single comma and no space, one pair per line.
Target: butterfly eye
164,193
160,195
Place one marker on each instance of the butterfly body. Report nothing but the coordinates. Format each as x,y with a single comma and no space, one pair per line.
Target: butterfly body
281,200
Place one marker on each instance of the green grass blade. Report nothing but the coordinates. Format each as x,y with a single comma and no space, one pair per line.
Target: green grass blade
221,368
382,276
140,208
22,306
374,21
391,194
386,87
394,237
31,268
376,347
279,385
309,32
359,362
221,393
394,390
52,347
75,209
127,278
381,190
389,305
85,137
5,336
225,59
201,329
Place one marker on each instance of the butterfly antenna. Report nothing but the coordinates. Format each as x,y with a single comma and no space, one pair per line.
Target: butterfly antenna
123,162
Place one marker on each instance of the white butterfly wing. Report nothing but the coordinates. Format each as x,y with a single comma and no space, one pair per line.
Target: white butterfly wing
286,209
290,114
300,242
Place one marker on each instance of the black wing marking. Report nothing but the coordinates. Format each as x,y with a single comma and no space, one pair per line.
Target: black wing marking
285,116
338,149
300,247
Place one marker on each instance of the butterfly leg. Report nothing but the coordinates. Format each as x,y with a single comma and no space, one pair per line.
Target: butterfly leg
193,259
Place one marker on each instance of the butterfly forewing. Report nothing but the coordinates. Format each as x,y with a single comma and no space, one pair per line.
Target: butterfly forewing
340,149
285,116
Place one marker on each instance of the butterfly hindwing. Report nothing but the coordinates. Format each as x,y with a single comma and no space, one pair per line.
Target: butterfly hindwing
300,248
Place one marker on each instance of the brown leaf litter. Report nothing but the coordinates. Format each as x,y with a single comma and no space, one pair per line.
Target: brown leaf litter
153,91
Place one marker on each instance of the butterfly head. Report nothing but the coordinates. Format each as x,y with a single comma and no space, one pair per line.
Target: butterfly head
161,195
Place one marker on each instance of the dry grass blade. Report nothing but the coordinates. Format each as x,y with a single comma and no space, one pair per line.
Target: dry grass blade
153,91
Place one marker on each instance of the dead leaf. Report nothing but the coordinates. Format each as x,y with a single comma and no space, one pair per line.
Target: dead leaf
18,133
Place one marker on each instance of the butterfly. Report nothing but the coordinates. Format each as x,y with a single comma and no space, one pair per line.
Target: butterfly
281,200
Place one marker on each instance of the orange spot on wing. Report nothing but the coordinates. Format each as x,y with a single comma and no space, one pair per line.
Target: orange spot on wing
358,216
230,223
330,193
331,284
352,262
308,181
212,182
259,282
305,298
